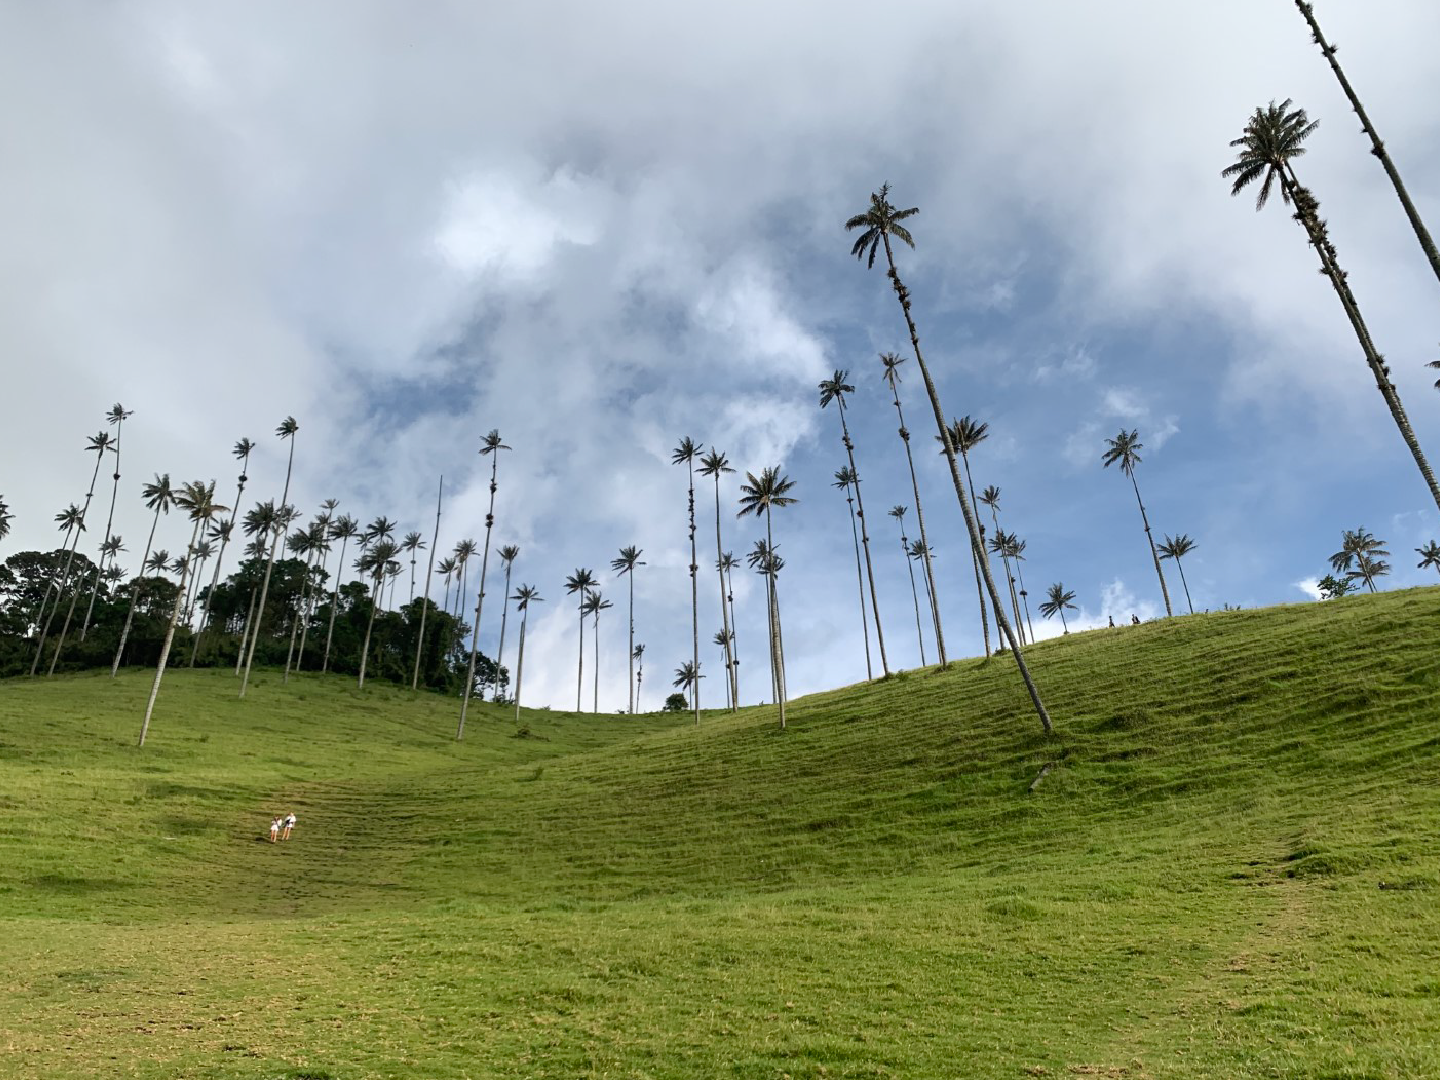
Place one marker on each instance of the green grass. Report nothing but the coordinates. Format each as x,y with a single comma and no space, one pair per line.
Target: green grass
1233,871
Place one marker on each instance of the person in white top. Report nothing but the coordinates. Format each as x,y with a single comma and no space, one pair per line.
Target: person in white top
274,829
289,824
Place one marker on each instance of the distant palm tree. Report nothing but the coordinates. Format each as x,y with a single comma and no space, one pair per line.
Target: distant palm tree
715,464
592,605
287,429
5,518
1273,139
898,513
685,454
1435,364
687,679
844,477
71,521
965,435
761,495
490,446
241,452
919,551
412,543
260,522
448,569
508,554
98,444
525,595
1124,448
197,499
464,551
1017,556
638,655
726,565
891,363
582,581
1177,548
159,497
834,389
429,573
879,223
200,556
309,542
116,417
1361,557
624,565
1058,600
1429,556
375,564
344,528
320,539
723,642
1377,147
766,562
998,545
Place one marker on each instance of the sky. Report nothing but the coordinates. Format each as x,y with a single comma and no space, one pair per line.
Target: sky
601,228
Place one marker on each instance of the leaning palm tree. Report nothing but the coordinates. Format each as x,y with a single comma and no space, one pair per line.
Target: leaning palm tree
891,362
1429,556
1058,600
761,495
98,445
489,445
1177,547
592,605
685,454
344,528
898,513
197,499
525,595
287,429
687,679
429,573
159,497
582,581
999,545
1377,147
71,521
1124,448
844,478
374,563
965,435
1272,141
834,389
624,565
879,223
116,417
1360,557
508,554
715,464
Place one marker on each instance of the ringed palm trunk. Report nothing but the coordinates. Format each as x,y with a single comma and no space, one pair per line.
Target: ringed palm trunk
1185,585
378,584
1307,213
1376,146
429,572
479,606
269,566
634,690
134,596
724,611
976,556
914,593
245,629
520,663
1009,575
734,639
595,675
1145,520
860,585
777,647
169,636
334,600
694,594
580,663
864,541
971,524
1025,600
925,541
109,522
504,615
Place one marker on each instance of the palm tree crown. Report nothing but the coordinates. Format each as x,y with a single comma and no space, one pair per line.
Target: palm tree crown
1273,138
1124,448
759,494
880,220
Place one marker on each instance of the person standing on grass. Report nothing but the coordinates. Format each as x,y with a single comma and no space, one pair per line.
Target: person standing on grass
274,829
289,824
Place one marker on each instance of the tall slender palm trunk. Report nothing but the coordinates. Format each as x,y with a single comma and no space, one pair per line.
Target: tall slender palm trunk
479,605
971,525
976,554
378,583
134,596
429,571
220,556
1184,584
1145,520
734,638
504,615
595,642
1025,600
925,541
580,664
65,575
245,628
309,613
334,603
777,645
1307,212
914,593
1009,575
269,566
302,615
169,635
634,690
520,663
109,523
864,539
1377,147
694,594
860,585
724,611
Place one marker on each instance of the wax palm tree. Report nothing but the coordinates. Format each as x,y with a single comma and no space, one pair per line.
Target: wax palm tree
412,543
287,429
508,554
200,556
158,562
898,513
1377,147
344,528
624,565
759,495
448,569
1273,139
582,581
197,499
921,552
891,362
834,389
464,551
766,562
1429,556
259,523
592,605
5,518
525,595
715,464
320,540
1360,557
306,543
844,478
685,454
1124,448
116,417
726,565
1177,547
965,434
70,521
160,497
997,545
429,573
1058,599
880,221
490,446
1017,556
98,444
722,641
241,452
638,655
687,679
374,564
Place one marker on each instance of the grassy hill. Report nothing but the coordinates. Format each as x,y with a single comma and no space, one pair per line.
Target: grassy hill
1233,870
